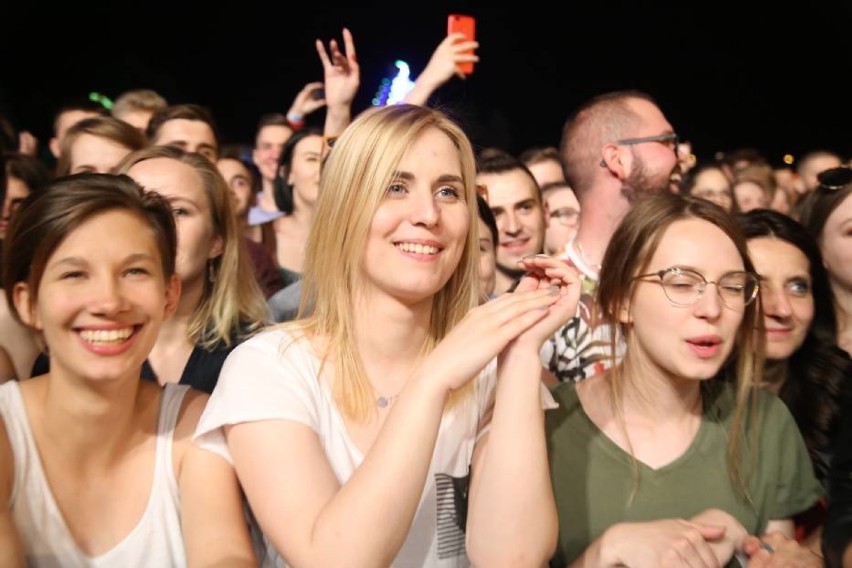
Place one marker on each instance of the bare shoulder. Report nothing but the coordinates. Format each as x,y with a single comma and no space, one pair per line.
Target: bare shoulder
193,404
7,464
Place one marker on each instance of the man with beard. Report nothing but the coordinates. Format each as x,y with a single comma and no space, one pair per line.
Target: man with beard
618,148
515,200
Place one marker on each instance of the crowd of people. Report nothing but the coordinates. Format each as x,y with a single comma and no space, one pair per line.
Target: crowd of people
372,343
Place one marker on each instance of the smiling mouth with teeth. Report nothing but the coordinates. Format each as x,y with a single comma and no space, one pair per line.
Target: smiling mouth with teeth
103,336
417,248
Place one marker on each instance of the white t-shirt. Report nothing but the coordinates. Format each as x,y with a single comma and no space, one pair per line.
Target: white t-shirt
273,376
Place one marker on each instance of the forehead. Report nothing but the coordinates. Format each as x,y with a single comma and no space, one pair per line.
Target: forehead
712,178
547,171
841,214
651,116
170,178
181,129
273,134
561,197
777,255
508,188
432,147
230,167
312,143
685,243
69,118
123,228
16,188
90,144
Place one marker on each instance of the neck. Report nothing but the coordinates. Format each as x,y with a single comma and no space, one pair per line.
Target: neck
600,220
266,198
842,306
653,393
504,278
390,337
774,375
85,418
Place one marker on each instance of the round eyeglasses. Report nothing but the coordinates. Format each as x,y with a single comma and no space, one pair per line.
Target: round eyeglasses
684,286
567,216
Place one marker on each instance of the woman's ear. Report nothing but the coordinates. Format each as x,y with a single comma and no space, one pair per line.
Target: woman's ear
173,287
625,314
25,305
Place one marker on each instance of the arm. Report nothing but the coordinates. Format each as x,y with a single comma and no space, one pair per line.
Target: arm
342,78
666,542
215,530
304,103
302,507
512,516
441,67
782,551
11,550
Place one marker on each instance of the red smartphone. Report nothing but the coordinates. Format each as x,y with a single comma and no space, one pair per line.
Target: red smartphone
467,25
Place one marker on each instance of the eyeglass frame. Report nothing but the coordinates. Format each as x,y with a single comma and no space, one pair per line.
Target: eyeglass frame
667,137
572,213
833,171
702,286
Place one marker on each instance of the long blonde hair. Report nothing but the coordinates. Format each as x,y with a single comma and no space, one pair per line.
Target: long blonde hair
629,252
354,181
232,306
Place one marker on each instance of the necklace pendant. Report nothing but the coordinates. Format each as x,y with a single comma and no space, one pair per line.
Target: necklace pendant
382,402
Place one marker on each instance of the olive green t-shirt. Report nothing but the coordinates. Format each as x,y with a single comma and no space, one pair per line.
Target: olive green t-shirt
592,477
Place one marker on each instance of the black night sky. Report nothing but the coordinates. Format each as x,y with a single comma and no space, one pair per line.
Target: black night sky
726,74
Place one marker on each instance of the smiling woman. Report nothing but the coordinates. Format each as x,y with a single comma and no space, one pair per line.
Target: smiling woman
805,367
320,414
94,463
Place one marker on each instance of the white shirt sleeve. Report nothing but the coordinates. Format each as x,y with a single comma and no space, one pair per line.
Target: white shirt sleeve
270,376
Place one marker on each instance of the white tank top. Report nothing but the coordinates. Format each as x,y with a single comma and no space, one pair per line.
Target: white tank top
156,541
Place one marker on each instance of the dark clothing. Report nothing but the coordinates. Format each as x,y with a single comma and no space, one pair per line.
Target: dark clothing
837,533
201,371
265,268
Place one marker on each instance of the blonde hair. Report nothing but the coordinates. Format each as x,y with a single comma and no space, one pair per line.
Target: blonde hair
353,183
232,306
629,252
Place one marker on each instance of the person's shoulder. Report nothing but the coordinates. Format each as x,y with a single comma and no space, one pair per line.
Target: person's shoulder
567,401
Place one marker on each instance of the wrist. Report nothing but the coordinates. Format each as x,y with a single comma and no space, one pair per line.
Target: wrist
295,120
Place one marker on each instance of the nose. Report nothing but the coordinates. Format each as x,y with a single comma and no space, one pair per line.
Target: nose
425,211
709,304
510,224
775,302
106,296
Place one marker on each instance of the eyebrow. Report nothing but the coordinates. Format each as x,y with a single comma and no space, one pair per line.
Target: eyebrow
80,261
445,178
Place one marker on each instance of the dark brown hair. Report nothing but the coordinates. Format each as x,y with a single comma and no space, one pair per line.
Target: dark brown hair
46,218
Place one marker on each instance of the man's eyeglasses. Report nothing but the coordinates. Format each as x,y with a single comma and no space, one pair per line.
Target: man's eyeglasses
834,179
684,287
567,216
670,140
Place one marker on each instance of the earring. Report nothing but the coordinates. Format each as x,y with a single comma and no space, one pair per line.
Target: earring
211,271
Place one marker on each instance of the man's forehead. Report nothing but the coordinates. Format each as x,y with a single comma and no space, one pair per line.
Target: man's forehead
507,188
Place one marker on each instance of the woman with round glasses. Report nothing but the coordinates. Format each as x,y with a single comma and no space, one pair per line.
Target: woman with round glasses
827,213
676,456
